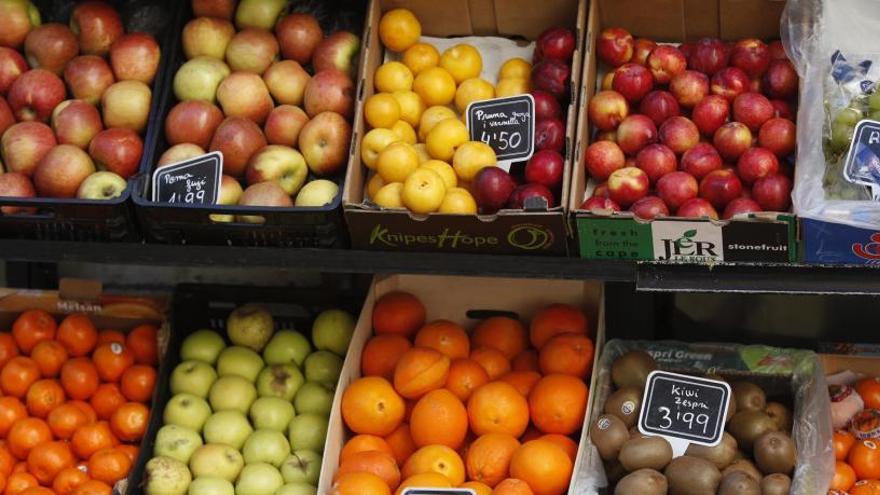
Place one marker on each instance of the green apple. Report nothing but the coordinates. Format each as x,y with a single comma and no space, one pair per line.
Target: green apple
176,442
332,331
271,413
202,345
232,393
269,446
250,326
199,78
241,361
280,380
188,411
193,377
303,466
166,476
287,347
297,489
229,427
258,479
308,432
323,366
214,460
314,397
258,14
210,486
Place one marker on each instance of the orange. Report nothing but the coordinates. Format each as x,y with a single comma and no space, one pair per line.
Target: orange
398,313
569,446
46,460
8,348
371,406
381,354
477,487
465,375
421,56
525,361
107,399
419,371
522,381
144,344
492,360
49,356
16,483
844,477
567,353
112,360
843,442
18,375
26,434
93,487
436,459
497,407
488,458
11,410
138,382
866,487
379,463
32,327
360,483
363,443
86,408
431,480
446,337
439,418
531,433
129,422
7,461
79,378
556,319
502,333
399,29
401,443
68,479
869,390
864,457
544,466
131,451
90,438
110,336
43,396
78,335
37,490
512,486
109,465
557,404
65,419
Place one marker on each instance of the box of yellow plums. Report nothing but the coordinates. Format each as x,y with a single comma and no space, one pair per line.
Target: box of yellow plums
418,179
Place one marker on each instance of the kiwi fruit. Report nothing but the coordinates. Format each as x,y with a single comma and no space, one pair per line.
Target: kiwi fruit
647,452
775,484
775,453
689,475
625,404
632,369
738,483
642,482
720,455
747,426
635,433
749,397
780,415
608,434
745,466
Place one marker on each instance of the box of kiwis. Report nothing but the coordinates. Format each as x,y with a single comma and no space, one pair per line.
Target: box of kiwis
777,430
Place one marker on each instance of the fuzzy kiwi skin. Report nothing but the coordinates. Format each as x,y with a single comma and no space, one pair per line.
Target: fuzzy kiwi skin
739,483
720,455
780,415
749,397
608,434
743,465
632,369
645,453
642,482
775,453
775,484
748,426
626,404
688,475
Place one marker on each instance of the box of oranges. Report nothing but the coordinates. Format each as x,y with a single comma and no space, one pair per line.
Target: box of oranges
423,178
465,382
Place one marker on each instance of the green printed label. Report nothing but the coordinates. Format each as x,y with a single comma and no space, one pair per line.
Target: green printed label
602,238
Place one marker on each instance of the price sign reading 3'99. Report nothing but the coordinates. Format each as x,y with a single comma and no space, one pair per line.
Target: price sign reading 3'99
506,124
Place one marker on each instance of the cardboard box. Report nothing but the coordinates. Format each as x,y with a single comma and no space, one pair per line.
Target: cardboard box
507,232
463,300
837,243
863,365
764,237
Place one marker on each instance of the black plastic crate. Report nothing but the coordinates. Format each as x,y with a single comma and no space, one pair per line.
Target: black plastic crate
314,227
91,220
196,307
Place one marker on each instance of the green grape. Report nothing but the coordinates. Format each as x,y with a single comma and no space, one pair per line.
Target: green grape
848,116
874,101
874,114
841,135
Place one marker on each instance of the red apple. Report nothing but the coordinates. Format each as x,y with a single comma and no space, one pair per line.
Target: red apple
752,109
636,132
284,125
777,51
656,160
135,57
97,25
118,151
7,119
600,203
50,47
730,82
23,145
773,193
700,160
330,90
179,153
649,208
207,37
492,188
76,122
252,50
607,109
546,168
244,94
547,107
642,48
531,197
324,142
16,185
12,65
601,190
710,55
687,49
88,76
665,62
223,9
192,122
756,85
266,194
127,104
782,109
237,138
550,135
697,208
720,187
556,43
740,206
298,35
633,81
614,46
61,171
732,140
17,18
679,134
710,114
689,87
602,158
779,136
756,163
338,51
677,187
287,82
553,77
780,80
628,185
659,106
751,55
35,94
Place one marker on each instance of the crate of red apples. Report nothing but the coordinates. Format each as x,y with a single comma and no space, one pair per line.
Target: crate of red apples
686,149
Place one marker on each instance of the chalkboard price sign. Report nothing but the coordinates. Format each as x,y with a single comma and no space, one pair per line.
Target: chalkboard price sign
862,165
684,409
195,181
506,124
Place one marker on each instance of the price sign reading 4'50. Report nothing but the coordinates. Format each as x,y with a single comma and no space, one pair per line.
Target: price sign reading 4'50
684,409
505,124
195,181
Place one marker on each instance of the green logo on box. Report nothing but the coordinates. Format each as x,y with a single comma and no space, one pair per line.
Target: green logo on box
603,238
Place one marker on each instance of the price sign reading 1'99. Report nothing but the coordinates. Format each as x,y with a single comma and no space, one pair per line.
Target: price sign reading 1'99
506,124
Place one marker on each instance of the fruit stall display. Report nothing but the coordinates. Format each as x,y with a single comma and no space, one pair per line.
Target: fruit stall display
447,385
78,86
269,86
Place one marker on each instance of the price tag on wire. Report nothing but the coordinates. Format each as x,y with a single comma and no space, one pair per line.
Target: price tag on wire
684,410
506,124
195,181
